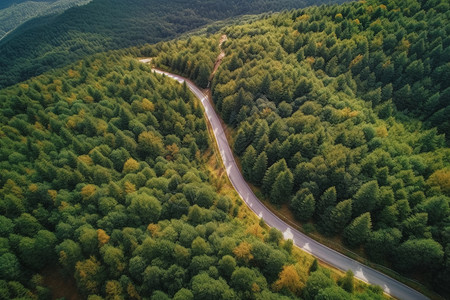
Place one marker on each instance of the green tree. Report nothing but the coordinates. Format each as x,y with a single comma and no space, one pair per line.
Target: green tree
272,174
327,199
282,188
382,243
204,288
146,207
333,220
303,205
348,282
203,75
241,142
248,161
420,254
365,198
183,294
358,231
317,281
227,265
333,292
437,208
10,268
245,280
259,168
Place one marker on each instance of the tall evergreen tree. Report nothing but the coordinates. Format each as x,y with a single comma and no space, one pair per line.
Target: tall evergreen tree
358,231
366,198
282,188
259,168
303,205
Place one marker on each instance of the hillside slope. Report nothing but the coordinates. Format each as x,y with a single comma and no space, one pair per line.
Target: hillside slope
19,12
315,97
103,175
101,25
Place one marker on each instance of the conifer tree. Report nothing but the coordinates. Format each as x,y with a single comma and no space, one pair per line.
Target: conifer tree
358,231
282,188
259,168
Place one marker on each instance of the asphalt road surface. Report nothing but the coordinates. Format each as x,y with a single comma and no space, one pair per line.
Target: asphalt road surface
340,261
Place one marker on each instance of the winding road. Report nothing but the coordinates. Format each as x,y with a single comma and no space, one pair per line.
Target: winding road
331,257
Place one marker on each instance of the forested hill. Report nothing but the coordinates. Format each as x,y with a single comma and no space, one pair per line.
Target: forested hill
8,3
45,43
104,179
318,99
14,14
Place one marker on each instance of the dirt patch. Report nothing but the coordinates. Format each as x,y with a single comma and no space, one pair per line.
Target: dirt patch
59,284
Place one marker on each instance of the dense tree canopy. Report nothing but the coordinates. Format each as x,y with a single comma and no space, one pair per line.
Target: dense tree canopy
343,98
56,40
104,177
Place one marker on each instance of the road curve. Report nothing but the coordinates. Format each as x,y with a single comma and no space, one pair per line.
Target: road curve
328,255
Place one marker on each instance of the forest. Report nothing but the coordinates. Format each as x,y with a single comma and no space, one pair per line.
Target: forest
54,41
105,179
341,113
14,14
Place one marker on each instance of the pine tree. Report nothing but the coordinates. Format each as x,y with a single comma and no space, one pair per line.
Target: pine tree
366,198
327,199
248,160
303,205
282,188
271,175
259,169
265,84
203,76
241,142
358,231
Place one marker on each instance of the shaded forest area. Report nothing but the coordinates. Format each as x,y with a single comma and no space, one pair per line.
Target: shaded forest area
320,99
12,16
45,43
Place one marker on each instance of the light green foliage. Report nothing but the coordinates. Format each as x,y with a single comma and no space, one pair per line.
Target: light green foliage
316,282
146,207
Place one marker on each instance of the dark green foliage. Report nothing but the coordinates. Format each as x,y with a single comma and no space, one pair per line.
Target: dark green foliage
358,231
334,293
55,40
327,199
282,188
259,168
419,254
303,205
334,219
366,198
10,268
382,243
248,161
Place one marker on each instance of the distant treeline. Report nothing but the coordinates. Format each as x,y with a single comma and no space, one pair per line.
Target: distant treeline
44,43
